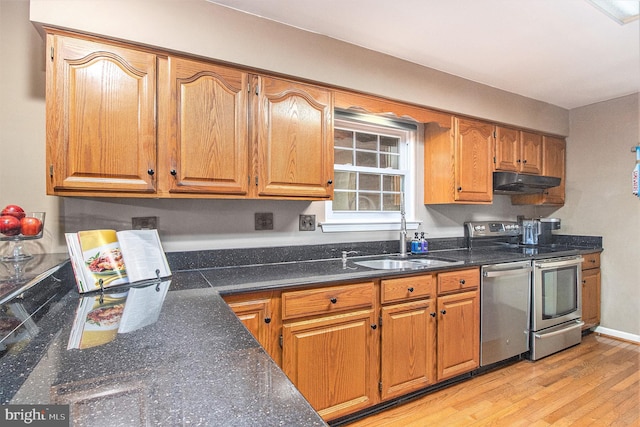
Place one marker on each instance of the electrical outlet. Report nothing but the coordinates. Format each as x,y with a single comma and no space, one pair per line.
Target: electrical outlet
307,223
264,220
144,223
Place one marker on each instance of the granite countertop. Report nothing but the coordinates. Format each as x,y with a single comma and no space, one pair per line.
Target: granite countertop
191,361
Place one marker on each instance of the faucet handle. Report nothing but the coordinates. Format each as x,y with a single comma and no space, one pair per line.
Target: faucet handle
346,253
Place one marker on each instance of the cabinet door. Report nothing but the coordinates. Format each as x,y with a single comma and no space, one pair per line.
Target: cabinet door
554,155
332,361
101,131
208,138
458,334
294,134
507,149
473,171
408,347
531,153
554,151
591,297
259,314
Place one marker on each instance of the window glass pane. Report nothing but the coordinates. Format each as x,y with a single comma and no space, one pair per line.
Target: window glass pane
389,161
389,144
391,202
345,180
369,182
369,202
391,183
343,138
366,141
364,158
344,201
343,157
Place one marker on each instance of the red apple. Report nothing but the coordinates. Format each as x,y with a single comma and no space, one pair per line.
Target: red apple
30,226
13,210
9,225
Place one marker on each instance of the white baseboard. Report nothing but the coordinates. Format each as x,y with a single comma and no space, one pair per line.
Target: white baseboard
618,334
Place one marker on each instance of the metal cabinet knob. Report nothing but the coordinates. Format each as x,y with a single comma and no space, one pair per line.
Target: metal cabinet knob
410,289
333,300
462,282
444,312
173,172
267,320
150,171
374,326
330,182
432,314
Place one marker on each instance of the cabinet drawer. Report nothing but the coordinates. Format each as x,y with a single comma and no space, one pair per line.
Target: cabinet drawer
325,300
407,288
459,280
591,261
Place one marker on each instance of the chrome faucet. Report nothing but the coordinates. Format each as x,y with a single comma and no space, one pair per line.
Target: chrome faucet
403,232
346,253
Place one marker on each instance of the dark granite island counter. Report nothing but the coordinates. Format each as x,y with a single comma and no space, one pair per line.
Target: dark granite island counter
196,365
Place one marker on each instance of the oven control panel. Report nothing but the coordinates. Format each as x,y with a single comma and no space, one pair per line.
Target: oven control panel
476,229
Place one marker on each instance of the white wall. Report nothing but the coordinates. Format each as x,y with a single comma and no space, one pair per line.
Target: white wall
599,165
599,161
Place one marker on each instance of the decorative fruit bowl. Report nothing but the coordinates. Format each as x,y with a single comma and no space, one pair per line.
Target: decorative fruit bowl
29,226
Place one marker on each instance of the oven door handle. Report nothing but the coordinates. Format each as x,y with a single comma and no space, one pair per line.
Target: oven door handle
579,324
555,263
513,272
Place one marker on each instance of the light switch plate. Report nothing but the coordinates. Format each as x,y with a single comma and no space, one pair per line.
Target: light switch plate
144,222
264,220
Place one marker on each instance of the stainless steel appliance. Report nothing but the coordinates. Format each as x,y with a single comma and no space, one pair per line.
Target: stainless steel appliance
557,305
547,226
530,231
505,294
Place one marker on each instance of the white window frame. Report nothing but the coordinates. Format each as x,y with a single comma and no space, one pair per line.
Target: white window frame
377,221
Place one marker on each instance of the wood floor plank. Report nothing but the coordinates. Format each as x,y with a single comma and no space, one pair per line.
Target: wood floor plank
595,383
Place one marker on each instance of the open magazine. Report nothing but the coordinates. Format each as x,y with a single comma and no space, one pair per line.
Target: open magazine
101,317
107,258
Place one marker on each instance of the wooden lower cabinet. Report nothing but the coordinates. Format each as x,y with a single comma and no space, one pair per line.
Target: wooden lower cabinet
591,290
332,361
347,347
408,347
458,334
260,314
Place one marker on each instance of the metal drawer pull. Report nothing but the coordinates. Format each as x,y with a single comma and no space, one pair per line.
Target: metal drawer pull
333,300
499,273
578,324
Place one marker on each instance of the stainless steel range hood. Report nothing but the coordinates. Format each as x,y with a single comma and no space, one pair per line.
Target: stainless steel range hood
518,183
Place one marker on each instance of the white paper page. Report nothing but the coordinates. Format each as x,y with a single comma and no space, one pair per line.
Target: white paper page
143,254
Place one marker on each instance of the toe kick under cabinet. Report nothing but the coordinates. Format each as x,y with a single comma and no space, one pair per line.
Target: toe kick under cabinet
348,346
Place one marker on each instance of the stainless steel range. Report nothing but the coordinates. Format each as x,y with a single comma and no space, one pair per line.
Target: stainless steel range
552,319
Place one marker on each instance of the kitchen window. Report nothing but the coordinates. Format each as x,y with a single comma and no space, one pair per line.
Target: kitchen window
372,167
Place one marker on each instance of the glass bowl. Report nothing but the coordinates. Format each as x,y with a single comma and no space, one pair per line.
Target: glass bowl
15,250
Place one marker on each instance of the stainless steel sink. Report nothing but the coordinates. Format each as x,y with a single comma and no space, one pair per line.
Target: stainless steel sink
406,264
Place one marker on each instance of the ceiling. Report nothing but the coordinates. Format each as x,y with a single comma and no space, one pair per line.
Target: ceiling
564,52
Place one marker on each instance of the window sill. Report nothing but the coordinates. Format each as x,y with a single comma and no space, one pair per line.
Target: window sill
345,226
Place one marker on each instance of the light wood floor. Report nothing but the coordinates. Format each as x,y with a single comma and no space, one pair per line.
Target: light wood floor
596,383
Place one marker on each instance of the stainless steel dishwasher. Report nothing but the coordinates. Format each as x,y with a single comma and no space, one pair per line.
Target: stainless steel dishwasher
505,301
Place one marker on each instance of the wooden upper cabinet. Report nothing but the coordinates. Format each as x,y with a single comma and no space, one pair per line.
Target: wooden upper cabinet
518,151
507,149
473,149
530,153
554,153
457,162
208,134
294,137
101,129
